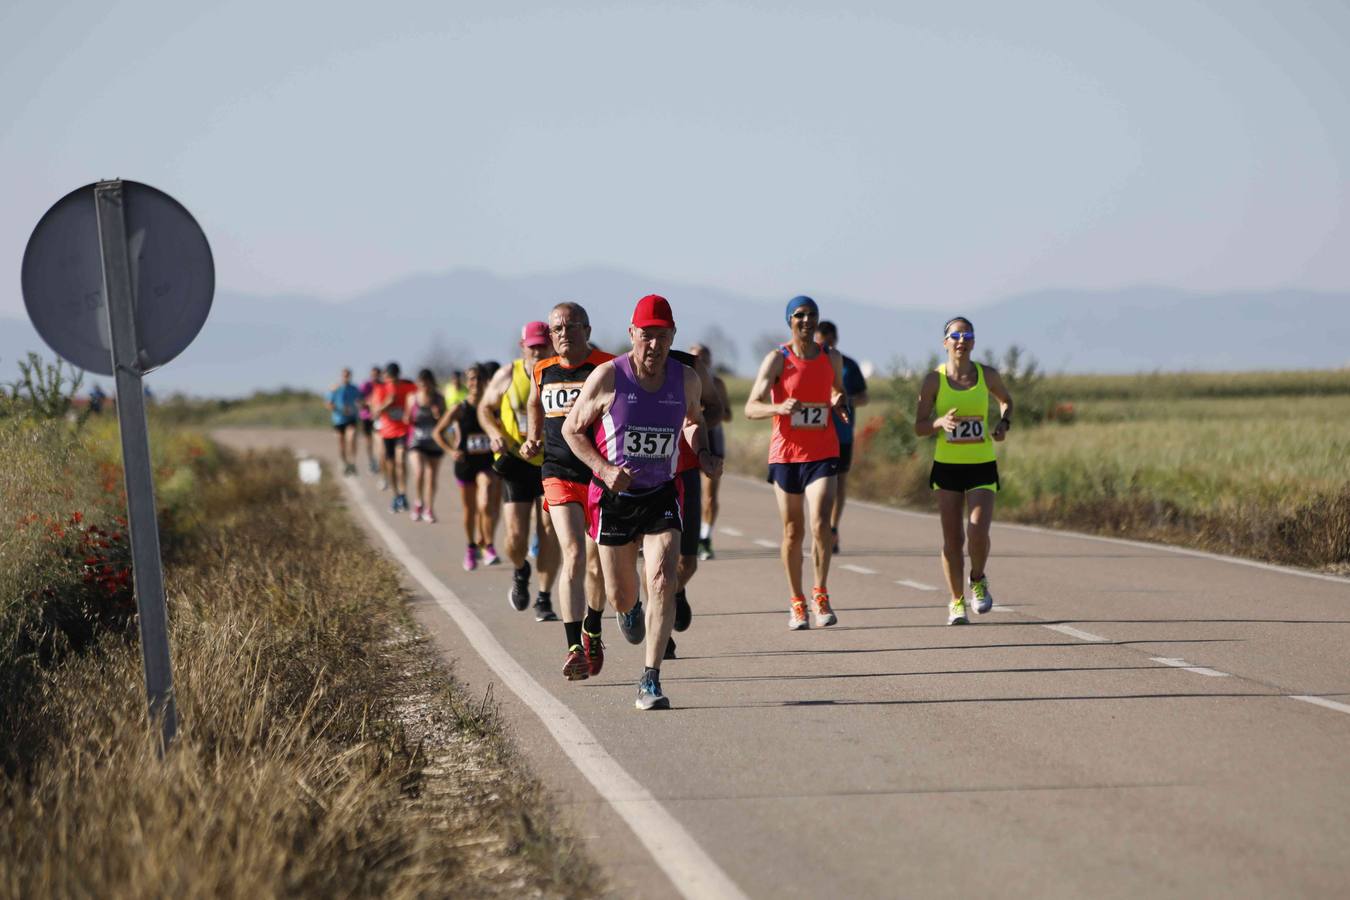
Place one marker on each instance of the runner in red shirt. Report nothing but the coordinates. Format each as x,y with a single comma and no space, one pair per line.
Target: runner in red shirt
388,404
797,386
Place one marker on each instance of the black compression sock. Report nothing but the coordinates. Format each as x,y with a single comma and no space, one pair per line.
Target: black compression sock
593,619
573,634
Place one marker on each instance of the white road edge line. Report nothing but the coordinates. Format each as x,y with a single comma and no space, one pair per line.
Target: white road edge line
1168,548
690,869
772,545
1322,701
734,532
1076,633
861,570
917,585
1182,664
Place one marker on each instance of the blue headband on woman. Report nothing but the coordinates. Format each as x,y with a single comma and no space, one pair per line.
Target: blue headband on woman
799,301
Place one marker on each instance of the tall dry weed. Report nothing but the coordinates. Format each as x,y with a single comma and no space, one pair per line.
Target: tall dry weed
323,750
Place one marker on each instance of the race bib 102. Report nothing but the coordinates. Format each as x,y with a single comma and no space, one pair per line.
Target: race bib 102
649,442
811,415
968,430
558,397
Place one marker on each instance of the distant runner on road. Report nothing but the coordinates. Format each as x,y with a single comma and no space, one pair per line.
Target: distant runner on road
797,386
425,410
343,400
691,475
717,444
388,402
625,427
459,433
965,471
502,413
554,388
855,388
367,429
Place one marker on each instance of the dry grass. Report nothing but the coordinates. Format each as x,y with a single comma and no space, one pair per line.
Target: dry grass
323,750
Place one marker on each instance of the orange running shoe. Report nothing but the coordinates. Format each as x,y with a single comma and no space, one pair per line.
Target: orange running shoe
797,620
825,616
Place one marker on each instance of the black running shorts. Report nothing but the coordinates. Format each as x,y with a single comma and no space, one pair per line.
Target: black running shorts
692,510
618,519
963,477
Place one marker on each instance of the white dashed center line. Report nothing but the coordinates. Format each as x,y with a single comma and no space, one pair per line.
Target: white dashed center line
1182,664
1323,701
760,542
917,585
734,532
1076,633
861,570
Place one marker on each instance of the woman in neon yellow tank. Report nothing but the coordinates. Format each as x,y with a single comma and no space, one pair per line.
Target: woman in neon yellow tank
954,406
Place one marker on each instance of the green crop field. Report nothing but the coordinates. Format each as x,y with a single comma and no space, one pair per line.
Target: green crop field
1256,464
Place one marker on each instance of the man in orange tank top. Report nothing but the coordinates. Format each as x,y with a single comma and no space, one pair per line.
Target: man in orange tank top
797,387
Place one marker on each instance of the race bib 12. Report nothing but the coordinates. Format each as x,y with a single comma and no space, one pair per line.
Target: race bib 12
811,415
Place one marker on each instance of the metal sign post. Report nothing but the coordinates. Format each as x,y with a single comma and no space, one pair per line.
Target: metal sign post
141,518
118,279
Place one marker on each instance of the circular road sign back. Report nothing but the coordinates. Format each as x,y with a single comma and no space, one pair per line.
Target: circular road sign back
173,277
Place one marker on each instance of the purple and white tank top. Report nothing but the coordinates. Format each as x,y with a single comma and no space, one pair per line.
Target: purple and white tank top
641,431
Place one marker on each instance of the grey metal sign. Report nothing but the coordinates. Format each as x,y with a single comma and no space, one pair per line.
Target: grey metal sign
172,277
118,279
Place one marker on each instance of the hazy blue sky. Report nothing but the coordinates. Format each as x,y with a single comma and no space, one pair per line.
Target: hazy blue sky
899,153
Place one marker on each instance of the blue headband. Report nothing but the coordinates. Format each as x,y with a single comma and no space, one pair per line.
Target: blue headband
799,301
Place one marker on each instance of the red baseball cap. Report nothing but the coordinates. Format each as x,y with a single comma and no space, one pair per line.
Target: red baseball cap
653,310
535,334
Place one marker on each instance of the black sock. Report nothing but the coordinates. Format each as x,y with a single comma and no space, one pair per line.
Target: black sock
573,630
653,674
543,598
680,597
593,619
523,571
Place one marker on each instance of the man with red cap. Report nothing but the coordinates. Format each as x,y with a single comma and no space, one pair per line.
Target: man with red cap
625,426
502,413
797,386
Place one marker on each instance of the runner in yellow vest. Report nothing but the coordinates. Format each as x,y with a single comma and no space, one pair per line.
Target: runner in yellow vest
455,390
965,471
502,413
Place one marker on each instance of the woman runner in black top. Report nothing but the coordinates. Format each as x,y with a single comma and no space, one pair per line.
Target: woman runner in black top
460,433
425,409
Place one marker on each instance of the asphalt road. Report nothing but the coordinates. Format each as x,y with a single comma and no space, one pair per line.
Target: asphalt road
1130,720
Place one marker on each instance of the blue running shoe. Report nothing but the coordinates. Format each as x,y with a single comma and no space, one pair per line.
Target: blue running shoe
649,694
534,547
633,624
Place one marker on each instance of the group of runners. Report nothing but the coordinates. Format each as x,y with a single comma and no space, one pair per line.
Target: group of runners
614,464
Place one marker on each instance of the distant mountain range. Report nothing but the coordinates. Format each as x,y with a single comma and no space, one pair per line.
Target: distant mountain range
253,342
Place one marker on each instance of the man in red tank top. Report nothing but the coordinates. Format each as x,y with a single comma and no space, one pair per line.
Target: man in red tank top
797,386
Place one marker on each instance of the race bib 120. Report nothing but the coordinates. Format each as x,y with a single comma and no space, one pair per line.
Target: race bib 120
968,430
649,442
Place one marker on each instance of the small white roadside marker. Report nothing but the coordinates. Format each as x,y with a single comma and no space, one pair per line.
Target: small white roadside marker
772,545
734,532
1322,701
1182,664
861,570
917,585
1076,633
